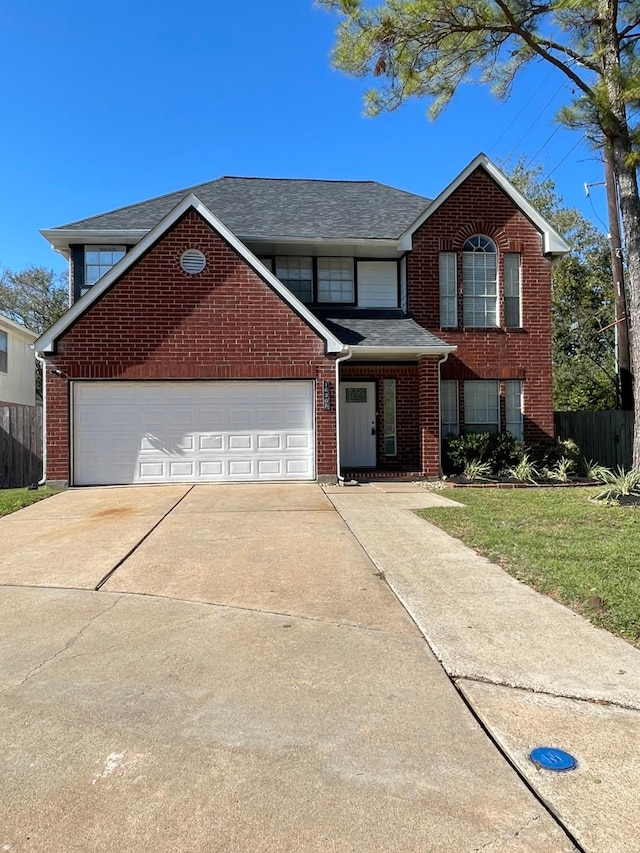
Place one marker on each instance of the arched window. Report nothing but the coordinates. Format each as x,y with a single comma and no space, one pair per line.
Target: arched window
480,282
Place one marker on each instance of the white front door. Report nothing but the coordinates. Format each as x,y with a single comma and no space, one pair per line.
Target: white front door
358,424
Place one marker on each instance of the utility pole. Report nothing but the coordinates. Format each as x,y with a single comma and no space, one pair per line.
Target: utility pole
623,353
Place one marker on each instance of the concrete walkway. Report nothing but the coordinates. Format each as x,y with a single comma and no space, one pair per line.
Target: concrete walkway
290,705
534,672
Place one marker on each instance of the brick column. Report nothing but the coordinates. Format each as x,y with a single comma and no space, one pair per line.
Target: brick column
58,471
429,414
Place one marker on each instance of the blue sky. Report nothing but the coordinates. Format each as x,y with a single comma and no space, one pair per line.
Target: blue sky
104,106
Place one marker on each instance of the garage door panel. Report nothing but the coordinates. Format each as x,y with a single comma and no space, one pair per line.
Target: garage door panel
127,432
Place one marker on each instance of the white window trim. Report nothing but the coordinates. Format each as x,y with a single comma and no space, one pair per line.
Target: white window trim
448,280
472,324
505,256
513,389
445,425
476,383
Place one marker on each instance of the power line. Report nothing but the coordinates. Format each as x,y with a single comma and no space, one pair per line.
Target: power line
524,107
544,144
570,151
535,121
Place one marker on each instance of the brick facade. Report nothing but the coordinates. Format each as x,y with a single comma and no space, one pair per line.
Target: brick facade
158,322
478,206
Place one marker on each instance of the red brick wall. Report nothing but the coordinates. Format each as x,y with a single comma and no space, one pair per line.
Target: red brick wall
159,322
479,207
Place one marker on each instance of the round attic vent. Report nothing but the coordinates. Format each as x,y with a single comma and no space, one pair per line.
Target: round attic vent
193,261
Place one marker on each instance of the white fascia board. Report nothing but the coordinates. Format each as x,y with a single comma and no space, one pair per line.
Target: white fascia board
61,239
385,353
16,327
553,243
46,342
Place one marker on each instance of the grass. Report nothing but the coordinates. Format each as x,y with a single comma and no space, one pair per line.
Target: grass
15,499
582,554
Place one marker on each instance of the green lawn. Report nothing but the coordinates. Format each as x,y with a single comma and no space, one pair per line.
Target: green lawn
14,499
584,555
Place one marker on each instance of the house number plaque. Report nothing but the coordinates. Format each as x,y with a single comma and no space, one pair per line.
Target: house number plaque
326,395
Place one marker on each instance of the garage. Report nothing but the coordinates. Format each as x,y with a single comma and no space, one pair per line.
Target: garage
192,431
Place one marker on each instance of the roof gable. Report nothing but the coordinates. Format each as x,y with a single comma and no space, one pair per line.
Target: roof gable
46,342
553,243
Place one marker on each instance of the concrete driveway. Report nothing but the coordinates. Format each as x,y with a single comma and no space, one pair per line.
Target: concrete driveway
230,668
224,668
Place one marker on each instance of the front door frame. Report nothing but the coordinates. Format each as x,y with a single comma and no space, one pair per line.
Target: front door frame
373,384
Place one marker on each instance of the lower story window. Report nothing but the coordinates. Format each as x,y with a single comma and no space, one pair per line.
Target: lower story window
482,405
449,417
514,408
389,409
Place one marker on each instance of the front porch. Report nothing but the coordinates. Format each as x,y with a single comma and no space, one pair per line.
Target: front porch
389,416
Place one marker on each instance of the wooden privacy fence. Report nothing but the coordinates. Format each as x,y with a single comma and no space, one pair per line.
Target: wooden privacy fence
604,437
20,445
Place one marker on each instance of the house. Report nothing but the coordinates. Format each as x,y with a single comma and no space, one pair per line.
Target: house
17,364
273,329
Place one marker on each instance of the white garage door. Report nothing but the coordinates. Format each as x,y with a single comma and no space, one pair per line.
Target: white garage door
163,432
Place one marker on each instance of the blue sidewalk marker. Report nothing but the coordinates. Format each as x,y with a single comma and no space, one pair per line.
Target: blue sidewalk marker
550,758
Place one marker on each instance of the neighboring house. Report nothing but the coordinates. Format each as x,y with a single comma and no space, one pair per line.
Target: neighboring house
17,364
263,329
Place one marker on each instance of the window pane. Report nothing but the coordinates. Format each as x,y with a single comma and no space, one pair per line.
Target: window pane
448,290
480,282
449,422
301,289
98,260
512,290
297,274
4,346
514,409
267,262
481,406
335,280
390,417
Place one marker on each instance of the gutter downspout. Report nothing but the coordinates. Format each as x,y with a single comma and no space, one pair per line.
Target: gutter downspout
440,363
43,365
339,361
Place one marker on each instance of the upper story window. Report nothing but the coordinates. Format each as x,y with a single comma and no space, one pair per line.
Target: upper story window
480,282
335,280
318,280
98,260
4,352
512,294
448,290
297,274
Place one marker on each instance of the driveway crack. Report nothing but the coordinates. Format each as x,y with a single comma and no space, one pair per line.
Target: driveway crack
36,669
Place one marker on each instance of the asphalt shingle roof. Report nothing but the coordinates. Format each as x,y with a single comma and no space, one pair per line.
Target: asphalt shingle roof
376,328
282,207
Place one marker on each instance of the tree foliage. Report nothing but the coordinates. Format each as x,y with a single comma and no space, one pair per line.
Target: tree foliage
429,48
582,301
35,297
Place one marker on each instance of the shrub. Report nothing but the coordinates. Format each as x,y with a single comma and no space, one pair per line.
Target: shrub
497,450
548,455
595,471
561,470
619,484
525,470
476,470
